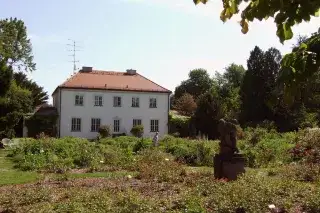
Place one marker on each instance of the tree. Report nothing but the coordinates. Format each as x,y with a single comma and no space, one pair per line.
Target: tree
300,65
228,88
198,83
186,105
15,47
6,74
208,113
39,96
286,13
259,84
13,105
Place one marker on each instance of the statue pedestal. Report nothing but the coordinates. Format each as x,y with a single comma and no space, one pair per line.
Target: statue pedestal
228,166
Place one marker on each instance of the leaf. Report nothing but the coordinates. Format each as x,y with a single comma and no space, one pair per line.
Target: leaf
245,26
317,13
198,1
284,32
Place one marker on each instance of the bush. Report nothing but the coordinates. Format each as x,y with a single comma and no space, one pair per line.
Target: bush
60,155
192,152
254,192
262,148
105,131
307,146
158,166
137,131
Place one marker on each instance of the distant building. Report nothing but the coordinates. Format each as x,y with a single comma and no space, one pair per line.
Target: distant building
91,98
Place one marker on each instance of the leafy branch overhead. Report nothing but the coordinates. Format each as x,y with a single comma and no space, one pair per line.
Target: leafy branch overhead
286,13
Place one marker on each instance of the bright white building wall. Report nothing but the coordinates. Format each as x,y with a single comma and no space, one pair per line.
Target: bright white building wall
107,113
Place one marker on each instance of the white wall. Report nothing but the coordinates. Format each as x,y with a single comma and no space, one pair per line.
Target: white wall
107,112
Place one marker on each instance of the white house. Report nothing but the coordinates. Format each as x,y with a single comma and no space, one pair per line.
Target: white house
91,98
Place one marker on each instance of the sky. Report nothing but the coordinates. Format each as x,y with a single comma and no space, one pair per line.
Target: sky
162,39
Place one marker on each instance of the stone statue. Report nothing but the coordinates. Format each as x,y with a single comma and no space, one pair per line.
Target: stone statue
228,136
228,163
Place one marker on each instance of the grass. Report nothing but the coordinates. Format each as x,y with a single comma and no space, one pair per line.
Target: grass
10,175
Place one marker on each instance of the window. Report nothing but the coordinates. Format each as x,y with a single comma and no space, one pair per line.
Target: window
76,125
95,124
136,122
154,126
116,125
98,100
152,103
135,102
117,101
78,100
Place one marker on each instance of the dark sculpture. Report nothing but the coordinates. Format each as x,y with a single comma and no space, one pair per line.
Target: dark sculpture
228,163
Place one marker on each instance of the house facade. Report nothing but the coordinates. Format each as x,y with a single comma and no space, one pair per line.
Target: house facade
92,98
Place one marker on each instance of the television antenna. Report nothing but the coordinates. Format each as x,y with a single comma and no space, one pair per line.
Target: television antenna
73,49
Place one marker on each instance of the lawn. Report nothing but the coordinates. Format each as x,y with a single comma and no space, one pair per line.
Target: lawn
10,175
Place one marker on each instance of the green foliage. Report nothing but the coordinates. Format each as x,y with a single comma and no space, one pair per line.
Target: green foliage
13,105
6,74
37,124
307,146
159,166
258,85
191,152
254,193
199,82
179,124
137,131
39,96
15,47
105,131
264,148
209,112
185,105
300,66
60,155
286,13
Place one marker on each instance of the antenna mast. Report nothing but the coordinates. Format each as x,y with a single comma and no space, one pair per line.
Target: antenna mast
73,50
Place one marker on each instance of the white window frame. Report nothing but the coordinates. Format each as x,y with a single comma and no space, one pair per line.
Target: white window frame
154,125
136,122
98,100
135,102
95,124
75,124
116,127
118,102
152,104
77,99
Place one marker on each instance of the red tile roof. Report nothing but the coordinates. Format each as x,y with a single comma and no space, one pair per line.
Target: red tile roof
107,80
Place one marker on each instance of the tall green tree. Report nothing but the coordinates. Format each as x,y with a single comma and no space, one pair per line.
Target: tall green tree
13,105
6,74
208,113
228,88
39,96
259,84
199,82
15,47
286,13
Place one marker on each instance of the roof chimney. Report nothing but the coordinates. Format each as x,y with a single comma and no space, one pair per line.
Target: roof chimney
131,72
86,69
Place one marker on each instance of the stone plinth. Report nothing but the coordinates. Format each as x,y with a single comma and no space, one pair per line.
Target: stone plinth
228,166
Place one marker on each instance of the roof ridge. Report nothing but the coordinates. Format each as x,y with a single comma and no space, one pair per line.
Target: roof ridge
153,82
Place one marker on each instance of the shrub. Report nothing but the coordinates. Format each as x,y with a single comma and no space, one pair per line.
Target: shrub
105,131
137,131
307,146
140,145
60,155
156,165
192,152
